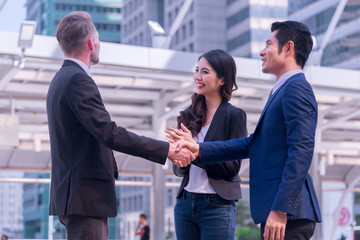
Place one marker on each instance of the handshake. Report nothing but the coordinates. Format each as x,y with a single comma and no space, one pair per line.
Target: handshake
183,148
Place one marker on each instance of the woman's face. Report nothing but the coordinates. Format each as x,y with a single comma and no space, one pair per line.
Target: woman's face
206,80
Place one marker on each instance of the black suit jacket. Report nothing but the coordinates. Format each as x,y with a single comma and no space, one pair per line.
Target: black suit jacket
81,137
228,122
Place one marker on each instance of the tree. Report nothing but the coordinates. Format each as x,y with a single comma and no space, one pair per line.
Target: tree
246,229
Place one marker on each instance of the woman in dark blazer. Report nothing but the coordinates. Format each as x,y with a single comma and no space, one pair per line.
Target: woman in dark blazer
205,207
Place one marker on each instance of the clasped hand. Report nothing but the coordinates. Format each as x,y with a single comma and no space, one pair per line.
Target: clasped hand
183,148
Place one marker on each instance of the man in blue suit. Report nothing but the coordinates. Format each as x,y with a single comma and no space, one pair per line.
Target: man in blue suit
282,196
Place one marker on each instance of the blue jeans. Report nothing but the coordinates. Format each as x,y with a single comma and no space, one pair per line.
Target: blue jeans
204,217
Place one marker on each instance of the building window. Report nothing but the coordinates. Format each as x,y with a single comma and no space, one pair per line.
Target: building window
141,39
191,27
229,2
184,32
238,17
177,37
191,47
140,202
141,20
238,41
170,19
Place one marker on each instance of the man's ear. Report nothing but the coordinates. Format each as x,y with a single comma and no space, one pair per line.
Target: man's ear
90,44
289,47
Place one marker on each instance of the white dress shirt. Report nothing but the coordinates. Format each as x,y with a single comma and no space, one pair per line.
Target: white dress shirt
82,65
285,77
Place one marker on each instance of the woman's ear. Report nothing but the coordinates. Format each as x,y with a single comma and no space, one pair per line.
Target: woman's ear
222,81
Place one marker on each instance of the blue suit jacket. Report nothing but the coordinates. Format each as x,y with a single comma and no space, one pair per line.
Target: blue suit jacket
280,151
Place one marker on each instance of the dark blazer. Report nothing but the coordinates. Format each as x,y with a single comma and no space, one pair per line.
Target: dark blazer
81,138
280,150
228,122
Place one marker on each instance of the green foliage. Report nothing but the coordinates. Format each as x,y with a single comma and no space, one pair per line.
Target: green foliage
246,229
247,233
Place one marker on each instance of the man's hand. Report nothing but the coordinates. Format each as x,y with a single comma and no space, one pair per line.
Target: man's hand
182,138
192,146
275,226
180,157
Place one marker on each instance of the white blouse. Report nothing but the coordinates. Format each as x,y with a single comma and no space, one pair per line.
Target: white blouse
198,179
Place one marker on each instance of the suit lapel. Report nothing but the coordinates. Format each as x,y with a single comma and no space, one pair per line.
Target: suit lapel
216,121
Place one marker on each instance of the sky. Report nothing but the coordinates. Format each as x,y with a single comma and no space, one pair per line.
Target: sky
11,15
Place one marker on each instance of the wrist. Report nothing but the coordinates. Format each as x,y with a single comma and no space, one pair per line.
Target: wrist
283,213
197,151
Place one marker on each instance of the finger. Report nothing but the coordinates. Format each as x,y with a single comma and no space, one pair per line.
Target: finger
176,131
272,234
282,234
188,160
173,135
192,155
266,233
185,128
177,163
171,141
171,138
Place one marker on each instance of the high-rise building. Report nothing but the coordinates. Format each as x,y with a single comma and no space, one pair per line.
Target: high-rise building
36,209
238,26
248,24
343,49
135,200
36,212
106,15
11,205
136,13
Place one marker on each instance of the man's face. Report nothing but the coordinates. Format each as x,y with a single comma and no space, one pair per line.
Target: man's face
94,54
273,62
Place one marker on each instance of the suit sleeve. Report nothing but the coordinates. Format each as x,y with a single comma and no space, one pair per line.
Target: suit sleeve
85,101
237,129
300,115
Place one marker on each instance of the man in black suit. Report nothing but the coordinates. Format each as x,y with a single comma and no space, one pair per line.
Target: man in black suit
82,137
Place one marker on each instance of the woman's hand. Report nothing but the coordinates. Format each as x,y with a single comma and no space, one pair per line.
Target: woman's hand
179,134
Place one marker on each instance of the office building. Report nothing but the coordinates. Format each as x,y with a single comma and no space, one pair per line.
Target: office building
238,26
343,49
11,205
248,24
36,212
106,15
136,13
135,200
36,209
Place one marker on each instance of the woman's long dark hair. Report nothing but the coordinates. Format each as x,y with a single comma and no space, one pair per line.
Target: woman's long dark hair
223,63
